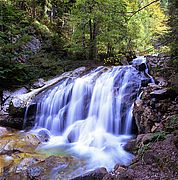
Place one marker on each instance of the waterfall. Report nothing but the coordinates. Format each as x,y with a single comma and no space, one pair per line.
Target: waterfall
92,114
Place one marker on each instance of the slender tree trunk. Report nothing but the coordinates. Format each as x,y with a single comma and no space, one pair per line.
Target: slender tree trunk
91,40
93,53
108,50
95,32
34,10
83,40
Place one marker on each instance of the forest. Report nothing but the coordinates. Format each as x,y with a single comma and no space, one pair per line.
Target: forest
89,89
72,32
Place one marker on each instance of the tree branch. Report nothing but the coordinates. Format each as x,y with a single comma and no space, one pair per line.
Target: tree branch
143,8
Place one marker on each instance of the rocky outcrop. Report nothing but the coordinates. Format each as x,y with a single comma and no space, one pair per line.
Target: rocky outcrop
23,100
29,48
14,103
156,117
3,131
156,158
96,174
159,100
155,105
12,122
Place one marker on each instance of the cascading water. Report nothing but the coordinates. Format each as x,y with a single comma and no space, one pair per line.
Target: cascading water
92,115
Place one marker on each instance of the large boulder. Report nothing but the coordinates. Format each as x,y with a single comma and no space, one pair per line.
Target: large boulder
12,122
164,93
97,174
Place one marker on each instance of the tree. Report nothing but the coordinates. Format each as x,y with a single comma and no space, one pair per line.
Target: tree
113,26
173,22
146,25
95,27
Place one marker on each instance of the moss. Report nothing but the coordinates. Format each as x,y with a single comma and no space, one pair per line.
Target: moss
16,112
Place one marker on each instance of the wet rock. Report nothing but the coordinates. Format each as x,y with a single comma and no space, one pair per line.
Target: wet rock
126,175
5,163
144,118
161,81
31,139
145,82
7,98
35,172
131,146
97,174
12,143
29,117
141,67
17,176
109,176
176,139
124,61
78,71
3,131
38,84
47,169
25,163
16,111
163,94
43,135
13,122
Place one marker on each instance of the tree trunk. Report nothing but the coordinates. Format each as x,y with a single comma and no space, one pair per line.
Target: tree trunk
83,40
95,32
34,10
91,40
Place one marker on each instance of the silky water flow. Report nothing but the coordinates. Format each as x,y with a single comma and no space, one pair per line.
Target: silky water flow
91,116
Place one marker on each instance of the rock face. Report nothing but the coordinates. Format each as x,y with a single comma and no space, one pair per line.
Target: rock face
33,46
7,98
12,122
15,103
96,174
3,131
20,160
155,105
159,100
156,159
156,117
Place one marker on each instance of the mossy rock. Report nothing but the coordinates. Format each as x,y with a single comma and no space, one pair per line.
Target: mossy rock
16,111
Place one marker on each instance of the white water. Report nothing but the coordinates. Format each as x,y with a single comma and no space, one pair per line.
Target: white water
92,115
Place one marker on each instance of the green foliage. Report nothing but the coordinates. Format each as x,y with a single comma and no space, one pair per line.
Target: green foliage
174,119
173,22
146,26
81,29
19,21
143,149
159,136
172,124
114,60
119,28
